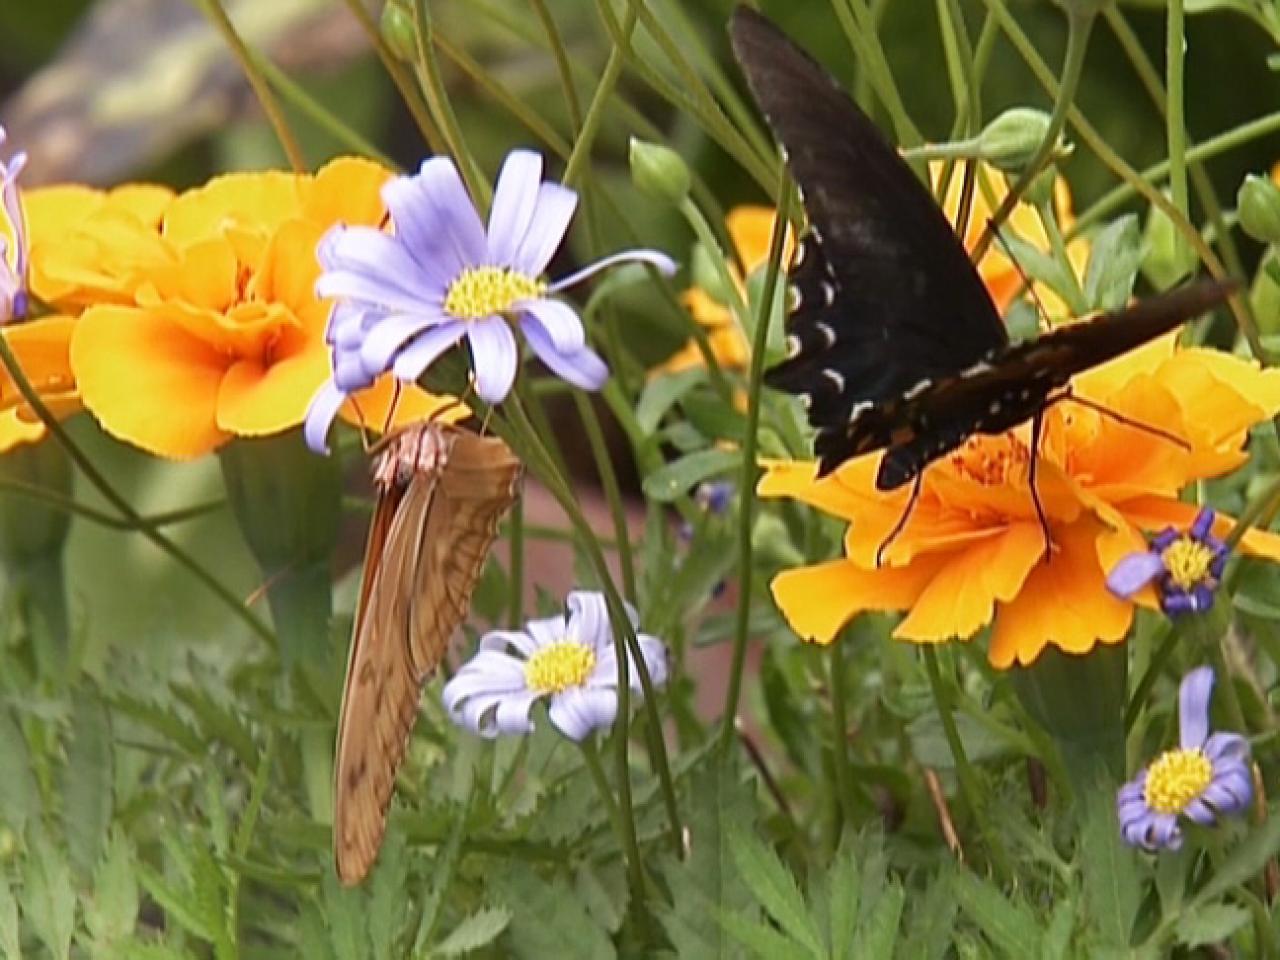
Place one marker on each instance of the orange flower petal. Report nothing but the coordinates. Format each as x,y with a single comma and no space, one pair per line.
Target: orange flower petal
751,229
1064,602
42,348
258,398
369,408
817,601
346,190
1153,514
15,431
147,381
961,597
259,202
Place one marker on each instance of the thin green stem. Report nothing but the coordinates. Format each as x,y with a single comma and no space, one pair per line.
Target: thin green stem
563,67
599,102
516,533
402,78
964,771
1167,641
859,26
1175,42
261,89
612,491
58,501
1079,27
840,734
437,97
627,840
749,473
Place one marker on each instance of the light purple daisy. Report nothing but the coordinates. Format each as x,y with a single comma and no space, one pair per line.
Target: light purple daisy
404,298
571,662
13,268
1206,778
1186,568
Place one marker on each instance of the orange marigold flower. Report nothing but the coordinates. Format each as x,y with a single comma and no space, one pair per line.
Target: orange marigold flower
972,552
220,333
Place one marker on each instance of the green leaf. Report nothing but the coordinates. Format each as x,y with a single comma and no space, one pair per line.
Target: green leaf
1007,923
174,903
842,902
1045,268
19,795
345,918
1114,259
1247,860
112,912
547,920
219,723
49,900
87,782
1210,923
387,902
930,934
762,940
1057,934
776,889
662,393
677,477
1111,888
713,417
10,933
880,931
477,930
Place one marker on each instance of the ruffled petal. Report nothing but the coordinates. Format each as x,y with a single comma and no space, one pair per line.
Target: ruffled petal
320,416
579,711
817,601
589,619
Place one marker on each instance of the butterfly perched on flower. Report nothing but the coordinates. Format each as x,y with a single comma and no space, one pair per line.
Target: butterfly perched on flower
893,342
441,492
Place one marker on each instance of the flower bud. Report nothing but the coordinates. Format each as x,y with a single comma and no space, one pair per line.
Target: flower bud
1258,204
1167,258
659,172
1011,140
398,30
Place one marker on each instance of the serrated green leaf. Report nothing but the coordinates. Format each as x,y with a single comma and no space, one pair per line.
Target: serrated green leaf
344,916
661,393
1247,860
843,896
602,888
1114,259
387,903
209,892
931,931
112,912
762,940
879,933
547,920
161,719
176,904
19,795
1108,867
776,889
1210,923
10,933
446,863
49,899
477,930
219,723
1057,935
1007,923
679,476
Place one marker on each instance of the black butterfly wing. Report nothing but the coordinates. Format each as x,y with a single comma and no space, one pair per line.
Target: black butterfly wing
996,396
883,294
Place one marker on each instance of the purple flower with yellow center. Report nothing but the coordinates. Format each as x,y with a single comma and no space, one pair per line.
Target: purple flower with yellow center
570,662
13,267
404,298
1185,567
1207,777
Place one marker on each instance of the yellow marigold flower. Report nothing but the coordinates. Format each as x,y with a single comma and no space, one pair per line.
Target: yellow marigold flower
222,334
971,553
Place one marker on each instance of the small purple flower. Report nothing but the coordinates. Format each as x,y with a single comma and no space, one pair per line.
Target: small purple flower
573,663
1206,778
13,274
1186,568
404,298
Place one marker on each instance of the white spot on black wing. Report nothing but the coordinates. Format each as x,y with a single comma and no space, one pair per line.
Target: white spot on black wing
828,333
795,299
836,378
828,293
793,346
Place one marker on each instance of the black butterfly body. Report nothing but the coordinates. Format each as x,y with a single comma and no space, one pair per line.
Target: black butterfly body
893,340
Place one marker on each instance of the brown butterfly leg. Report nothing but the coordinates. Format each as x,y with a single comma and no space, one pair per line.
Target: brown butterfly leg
902,521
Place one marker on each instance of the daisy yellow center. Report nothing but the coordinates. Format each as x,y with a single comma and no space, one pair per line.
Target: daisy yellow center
1175,779
991,461
1188,562
480,292
559,666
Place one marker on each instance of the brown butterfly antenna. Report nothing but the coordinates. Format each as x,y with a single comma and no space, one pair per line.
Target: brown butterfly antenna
392,407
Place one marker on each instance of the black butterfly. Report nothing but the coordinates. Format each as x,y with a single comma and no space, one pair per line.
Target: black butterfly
893,340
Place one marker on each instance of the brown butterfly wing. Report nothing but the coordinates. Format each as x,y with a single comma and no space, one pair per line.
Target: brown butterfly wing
418,593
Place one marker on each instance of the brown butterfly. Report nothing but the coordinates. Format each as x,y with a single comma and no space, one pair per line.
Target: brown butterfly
441,492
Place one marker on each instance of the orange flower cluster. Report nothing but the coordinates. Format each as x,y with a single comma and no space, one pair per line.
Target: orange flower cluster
972,553
183,320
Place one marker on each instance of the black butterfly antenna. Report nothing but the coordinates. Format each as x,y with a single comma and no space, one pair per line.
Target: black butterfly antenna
902,520
1026,280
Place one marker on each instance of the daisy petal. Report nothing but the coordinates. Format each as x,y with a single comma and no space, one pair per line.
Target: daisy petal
560,321
589,619
579,711
655,258
515,198
320,414
434,215
1193,707
389,335
556,205
493,357
426,348
545,632
582,368
1134,572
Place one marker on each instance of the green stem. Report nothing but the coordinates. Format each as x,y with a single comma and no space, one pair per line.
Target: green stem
58,501
964,772
1079,27
1175,121
612,492
433,89
627,841
859,26
750,471
599,102
1168,642
840,735
516,530
403,80
261,89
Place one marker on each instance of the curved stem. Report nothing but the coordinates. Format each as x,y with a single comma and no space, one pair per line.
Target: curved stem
626,834
612,492
840,735
1175,122
261,89
1079,26
599,101
750,470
